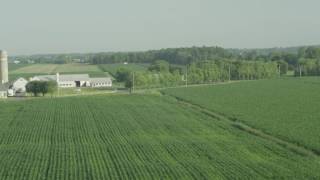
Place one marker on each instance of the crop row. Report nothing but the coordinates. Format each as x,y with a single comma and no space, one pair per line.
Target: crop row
286,108
133,137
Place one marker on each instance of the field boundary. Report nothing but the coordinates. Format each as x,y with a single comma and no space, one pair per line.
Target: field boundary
293,147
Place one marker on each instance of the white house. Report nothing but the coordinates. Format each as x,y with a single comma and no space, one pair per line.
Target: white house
16,62
19,86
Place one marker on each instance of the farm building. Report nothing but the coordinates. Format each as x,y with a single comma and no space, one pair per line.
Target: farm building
75,80
4,90
100,82
19,85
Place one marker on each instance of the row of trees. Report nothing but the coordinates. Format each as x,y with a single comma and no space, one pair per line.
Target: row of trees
308,67
172,55
290,58
182,55
195,54
161,73
208,72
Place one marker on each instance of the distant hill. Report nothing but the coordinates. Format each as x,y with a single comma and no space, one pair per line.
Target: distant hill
266,51
183,55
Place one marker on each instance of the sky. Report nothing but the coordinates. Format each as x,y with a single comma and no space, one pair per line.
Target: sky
70,26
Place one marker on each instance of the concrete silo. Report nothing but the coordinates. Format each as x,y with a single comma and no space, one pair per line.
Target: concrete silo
3,67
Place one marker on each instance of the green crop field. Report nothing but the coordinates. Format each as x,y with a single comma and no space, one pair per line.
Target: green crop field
134,137
287,108
54,68
112,68
12,66
28,71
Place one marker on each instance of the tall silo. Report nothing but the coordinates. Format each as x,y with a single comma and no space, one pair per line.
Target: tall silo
3,66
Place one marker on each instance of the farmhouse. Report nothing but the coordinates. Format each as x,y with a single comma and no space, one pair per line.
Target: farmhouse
19,86
74,80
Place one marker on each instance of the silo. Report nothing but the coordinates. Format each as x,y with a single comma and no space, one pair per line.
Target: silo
3,66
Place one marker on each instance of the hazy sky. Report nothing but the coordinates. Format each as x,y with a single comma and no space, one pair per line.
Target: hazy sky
59,26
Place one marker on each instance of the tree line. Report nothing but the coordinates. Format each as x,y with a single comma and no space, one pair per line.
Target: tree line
296,58
194,54
162,74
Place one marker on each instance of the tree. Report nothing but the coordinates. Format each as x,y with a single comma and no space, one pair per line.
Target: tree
129,84
52,86
123,74
160,66
43,87
34,87
283,67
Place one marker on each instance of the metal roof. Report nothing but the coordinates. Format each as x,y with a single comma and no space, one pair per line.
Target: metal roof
46,77
74,77
64,77
100,80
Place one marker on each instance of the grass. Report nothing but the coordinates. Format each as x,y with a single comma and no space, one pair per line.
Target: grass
112,68
286,108
134,137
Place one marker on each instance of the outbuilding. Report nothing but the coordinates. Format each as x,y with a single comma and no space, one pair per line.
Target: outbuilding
4,90
75,80
101,82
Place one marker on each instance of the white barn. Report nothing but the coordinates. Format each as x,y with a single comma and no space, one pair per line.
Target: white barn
101,82
74,80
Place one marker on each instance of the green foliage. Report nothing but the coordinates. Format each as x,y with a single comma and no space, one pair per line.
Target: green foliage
134,137
123,74
286,108
173,55
43,87
283,67
113,68
51,87
160,66
34,87
308,67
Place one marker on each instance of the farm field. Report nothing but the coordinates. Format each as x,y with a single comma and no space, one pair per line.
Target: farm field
134,137
112,68
54,68
286,108
12,66
41,69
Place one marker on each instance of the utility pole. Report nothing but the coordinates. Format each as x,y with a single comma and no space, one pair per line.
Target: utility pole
229,73
132,82
187,76
300,70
